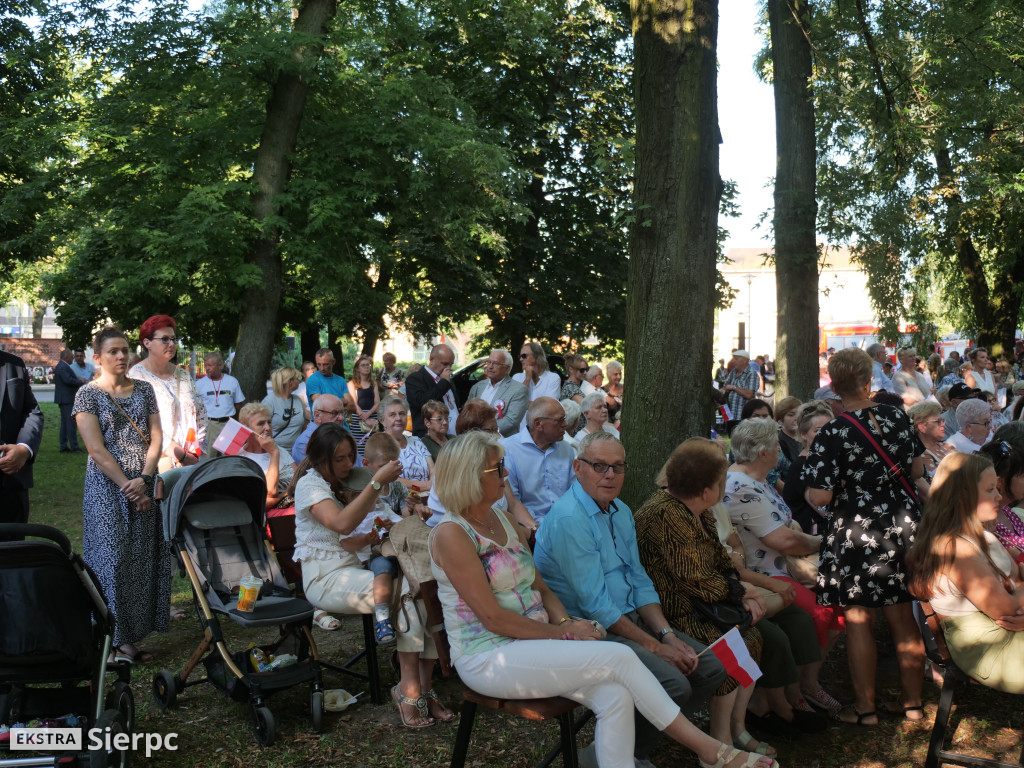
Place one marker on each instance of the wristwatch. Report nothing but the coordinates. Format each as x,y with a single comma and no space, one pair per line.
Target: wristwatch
665,631
376,485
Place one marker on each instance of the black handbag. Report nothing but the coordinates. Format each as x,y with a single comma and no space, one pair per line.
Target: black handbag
728,612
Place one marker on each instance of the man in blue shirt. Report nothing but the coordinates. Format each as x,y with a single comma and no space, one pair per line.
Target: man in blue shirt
326,408
587,553
324,382
538,461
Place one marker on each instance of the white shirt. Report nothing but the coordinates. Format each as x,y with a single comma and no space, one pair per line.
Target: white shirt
284,466
490,391
606,427
586,387
960,442
548,385
220,396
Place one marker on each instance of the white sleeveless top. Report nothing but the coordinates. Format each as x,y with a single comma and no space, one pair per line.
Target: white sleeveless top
948,600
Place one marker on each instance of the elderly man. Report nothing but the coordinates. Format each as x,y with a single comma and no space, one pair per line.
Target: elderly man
592,380
432,382
222,395
538,461
500,390
957,394
65,386
587,553
741,382
21,431
326,408
974,416
324,382
879,379
909,383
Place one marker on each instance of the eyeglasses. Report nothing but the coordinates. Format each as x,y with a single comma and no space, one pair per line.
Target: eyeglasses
525,355
495,362
932,422
584,369
439,418
986,424
166,339
559,421
500,468
332,414
600,467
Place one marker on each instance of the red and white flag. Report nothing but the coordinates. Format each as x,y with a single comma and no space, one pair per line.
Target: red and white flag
732,652
232,438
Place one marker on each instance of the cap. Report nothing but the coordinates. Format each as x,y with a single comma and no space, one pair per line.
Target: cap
358,478
962,392
741,353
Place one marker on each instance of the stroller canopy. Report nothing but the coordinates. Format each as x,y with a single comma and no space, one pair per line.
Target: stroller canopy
234,476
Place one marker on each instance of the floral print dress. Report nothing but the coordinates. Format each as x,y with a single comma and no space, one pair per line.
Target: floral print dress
871,519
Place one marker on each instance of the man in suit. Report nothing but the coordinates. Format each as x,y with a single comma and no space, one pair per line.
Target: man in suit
65,386
500,390
21,430
432,382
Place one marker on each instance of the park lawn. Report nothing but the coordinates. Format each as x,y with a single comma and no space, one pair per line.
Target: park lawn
214,731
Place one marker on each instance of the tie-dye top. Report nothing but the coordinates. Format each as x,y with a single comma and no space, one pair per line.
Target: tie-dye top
511,573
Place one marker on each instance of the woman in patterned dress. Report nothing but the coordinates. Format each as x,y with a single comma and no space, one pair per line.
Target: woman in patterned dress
510,635
871,524
122,535
181,407
417,466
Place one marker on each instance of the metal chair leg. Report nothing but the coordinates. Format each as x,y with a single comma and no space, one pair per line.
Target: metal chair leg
464,735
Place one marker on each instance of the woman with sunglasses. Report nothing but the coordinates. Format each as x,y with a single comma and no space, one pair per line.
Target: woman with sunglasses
510,635
181,407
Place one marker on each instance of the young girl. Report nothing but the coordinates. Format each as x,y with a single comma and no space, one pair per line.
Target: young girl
973,583
1008,461
366,399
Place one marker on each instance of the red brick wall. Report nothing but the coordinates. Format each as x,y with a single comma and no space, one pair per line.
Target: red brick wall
35,352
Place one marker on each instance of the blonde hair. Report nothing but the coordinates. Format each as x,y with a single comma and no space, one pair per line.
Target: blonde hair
280,379
807,412
850,370
381,445
460,467
785,406
251,409
923,410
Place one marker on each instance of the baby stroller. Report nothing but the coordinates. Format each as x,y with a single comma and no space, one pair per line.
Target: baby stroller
56,633
213,516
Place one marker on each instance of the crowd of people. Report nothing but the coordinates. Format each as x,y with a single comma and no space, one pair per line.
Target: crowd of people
807,521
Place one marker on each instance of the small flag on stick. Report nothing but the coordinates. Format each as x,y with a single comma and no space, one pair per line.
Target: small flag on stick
232,438
732,652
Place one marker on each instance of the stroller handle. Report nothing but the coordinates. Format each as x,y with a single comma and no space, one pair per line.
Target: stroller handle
37,531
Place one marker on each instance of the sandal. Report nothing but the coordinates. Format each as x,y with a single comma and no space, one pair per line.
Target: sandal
384,632
898,710
421,709
122,655
177,614
325,621
726,758
743,740
823,700
852,716
431,696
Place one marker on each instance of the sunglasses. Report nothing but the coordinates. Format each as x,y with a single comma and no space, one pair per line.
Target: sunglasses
500,468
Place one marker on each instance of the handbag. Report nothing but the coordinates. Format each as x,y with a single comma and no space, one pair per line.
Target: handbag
724,615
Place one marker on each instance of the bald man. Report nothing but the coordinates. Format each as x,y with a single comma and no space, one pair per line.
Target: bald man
433,382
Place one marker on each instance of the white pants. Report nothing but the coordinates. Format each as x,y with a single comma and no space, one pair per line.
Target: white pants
607,678
350,590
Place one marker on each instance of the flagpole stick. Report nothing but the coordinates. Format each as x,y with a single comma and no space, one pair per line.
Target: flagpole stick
708,648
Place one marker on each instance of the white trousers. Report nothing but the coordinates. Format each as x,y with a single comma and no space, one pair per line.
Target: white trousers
607,678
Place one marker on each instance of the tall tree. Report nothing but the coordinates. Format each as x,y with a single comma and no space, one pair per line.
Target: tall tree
671,289
796,206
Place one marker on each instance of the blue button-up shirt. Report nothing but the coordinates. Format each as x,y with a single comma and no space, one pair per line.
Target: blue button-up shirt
538,478
590,558
879,381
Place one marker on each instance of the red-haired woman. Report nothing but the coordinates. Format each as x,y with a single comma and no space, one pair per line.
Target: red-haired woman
181,407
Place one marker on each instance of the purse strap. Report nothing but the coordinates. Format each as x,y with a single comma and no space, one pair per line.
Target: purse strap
894,469
125,414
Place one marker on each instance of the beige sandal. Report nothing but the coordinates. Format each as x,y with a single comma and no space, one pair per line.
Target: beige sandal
727,755
421,708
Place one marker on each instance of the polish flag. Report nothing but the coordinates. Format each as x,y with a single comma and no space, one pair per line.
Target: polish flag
232,438
732,652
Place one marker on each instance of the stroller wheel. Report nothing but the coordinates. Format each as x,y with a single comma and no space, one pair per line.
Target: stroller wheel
316,709
108,758
165,689
264,725
121,699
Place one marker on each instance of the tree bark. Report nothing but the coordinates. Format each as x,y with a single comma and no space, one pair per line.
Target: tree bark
673,240
38,316
258,326
796,205
309,343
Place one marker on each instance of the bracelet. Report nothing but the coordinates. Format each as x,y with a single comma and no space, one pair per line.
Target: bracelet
567,618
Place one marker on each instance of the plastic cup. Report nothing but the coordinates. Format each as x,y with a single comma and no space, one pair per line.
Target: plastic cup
248,592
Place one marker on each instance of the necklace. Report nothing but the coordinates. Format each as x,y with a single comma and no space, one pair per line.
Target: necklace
482,524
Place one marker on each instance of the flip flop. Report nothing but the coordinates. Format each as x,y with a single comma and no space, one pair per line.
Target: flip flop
896,709
858,717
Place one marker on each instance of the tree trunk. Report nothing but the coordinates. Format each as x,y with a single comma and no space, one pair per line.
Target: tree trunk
673,241
796,206
258,327
309,343
38,316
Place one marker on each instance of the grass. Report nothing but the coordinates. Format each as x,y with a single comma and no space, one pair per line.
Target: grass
214,731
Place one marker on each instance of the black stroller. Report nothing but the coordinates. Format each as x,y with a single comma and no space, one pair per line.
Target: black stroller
56,633
213,516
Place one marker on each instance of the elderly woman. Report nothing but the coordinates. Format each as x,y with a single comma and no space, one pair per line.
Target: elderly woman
510,635
288,415
614,390
538,380
333,578
417,466
181,407
950,373
261,448
769,533
980,377
595,409
873,515
575,367
975,419
789,438
435,419
809,417
931,430
973,583
573,415
122,540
